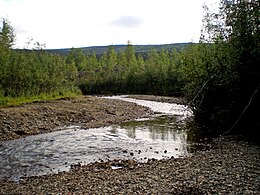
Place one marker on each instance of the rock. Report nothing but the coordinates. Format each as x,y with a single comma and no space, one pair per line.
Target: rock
200,173
20,132
119,113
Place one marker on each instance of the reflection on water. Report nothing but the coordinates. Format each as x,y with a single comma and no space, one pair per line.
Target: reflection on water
158,137
165,128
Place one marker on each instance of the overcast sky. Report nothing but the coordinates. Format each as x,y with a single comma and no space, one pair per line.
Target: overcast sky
81,23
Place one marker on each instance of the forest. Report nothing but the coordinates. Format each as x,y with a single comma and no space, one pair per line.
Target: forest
219,76
139,49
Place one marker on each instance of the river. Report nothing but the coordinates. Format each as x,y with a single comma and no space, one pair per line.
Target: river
163,135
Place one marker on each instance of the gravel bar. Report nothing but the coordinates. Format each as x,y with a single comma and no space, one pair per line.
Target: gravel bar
230,166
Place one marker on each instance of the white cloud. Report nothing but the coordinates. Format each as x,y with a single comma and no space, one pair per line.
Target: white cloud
127,22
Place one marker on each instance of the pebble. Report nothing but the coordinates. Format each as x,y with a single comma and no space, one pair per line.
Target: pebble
221,170
229,167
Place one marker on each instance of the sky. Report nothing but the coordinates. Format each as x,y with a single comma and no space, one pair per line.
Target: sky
83,23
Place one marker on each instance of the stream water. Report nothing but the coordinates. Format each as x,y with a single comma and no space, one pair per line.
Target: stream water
163,135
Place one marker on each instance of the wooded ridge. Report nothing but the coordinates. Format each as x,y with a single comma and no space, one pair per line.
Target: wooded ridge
100,50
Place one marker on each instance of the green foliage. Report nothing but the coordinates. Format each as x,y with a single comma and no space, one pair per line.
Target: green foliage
128,72
77,57
7,36
221,75
14,101
139,49
33,73
25,74
243,19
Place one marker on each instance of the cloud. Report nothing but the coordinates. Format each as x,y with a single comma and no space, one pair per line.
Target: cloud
20,30
127,22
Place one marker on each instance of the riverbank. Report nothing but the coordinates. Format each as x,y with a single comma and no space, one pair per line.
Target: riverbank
231,166
48,116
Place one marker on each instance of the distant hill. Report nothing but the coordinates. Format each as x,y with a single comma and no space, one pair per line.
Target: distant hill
99,50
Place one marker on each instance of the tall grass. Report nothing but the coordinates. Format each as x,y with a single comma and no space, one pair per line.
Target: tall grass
16,101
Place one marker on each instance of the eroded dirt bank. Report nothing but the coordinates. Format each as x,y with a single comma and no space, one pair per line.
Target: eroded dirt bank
44,117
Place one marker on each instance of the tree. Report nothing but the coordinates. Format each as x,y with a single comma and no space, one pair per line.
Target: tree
7,36
92,61
242,18
223,75
131,66
130,55
78,57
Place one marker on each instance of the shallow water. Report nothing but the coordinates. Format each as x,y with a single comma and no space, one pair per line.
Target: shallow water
161,136
161,107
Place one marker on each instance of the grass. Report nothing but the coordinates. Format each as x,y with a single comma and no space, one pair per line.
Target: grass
15,101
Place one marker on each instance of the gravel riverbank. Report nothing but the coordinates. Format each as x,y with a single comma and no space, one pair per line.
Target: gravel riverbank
229,167
48,116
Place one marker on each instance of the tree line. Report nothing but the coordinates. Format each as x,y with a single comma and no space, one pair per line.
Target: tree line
25,73
125,72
